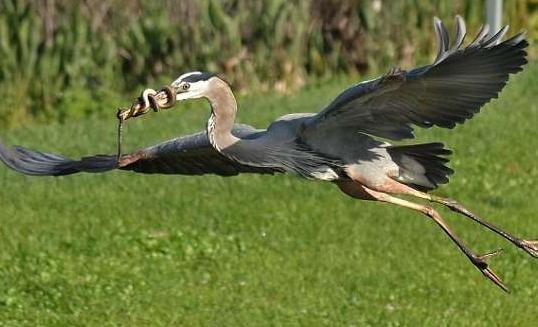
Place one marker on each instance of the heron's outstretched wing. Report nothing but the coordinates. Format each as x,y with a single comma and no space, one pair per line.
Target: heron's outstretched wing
187,155
449,91
191,155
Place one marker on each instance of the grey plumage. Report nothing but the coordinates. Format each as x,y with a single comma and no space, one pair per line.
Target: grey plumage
37,163
450,91
186,155
193,155
427,160
281,147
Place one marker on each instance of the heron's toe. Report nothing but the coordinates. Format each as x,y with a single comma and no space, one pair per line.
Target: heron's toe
480,262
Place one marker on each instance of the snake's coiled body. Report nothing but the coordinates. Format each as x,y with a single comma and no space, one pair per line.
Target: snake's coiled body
164,99
149,99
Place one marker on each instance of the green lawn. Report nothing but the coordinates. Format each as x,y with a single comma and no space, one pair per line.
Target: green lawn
126,249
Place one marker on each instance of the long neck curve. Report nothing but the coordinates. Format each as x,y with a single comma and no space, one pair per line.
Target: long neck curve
223,111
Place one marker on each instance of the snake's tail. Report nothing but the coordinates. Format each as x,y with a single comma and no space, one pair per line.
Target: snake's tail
120,137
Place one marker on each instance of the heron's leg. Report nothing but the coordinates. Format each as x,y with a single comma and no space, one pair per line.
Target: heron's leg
531,247
479,261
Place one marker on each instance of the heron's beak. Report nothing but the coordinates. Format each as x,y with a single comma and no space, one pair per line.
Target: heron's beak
183,95
164,99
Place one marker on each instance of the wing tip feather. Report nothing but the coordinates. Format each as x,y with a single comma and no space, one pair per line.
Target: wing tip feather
37,163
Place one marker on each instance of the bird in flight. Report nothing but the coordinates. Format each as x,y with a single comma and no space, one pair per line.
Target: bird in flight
345,143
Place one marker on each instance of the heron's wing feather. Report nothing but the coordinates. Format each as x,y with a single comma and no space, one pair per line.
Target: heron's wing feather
449,91
37,163
190,155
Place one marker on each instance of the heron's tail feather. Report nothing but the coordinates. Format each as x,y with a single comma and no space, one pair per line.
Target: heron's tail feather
45,164
422,166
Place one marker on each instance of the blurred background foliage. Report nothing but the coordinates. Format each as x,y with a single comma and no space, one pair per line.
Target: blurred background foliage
63,59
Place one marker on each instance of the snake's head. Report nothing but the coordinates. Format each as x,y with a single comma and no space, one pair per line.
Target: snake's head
125,113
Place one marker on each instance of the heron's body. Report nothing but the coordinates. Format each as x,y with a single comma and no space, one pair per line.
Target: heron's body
329,153
345,143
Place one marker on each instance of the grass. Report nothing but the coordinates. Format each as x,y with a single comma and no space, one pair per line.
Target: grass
134,250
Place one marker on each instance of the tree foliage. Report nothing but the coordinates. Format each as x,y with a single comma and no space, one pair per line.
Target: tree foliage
62,59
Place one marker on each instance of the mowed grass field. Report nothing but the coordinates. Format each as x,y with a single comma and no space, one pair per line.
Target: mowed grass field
150,250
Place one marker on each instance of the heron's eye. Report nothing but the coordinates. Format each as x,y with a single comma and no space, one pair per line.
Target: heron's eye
185,86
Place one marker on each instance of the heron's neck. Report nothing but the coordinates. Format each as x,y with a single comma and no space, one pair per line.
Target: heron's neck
222,119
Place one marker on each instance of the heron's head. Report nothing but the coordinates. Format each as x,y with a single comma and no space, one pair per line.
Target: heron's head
193,85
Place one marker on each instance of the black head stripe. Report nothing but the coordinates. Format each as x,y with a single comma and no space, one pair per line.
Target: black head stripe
198,77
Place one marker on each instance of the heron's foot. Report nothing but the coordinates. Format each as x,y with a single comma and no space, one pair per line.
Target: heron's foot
480,262
531,247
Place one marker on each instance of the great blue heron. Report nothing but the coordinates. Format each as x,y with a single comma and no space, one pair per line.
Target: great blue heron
339,144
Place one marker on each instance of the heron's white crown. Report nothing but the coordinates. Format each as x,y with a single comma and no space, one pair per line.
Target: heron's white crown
182,77
196,86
